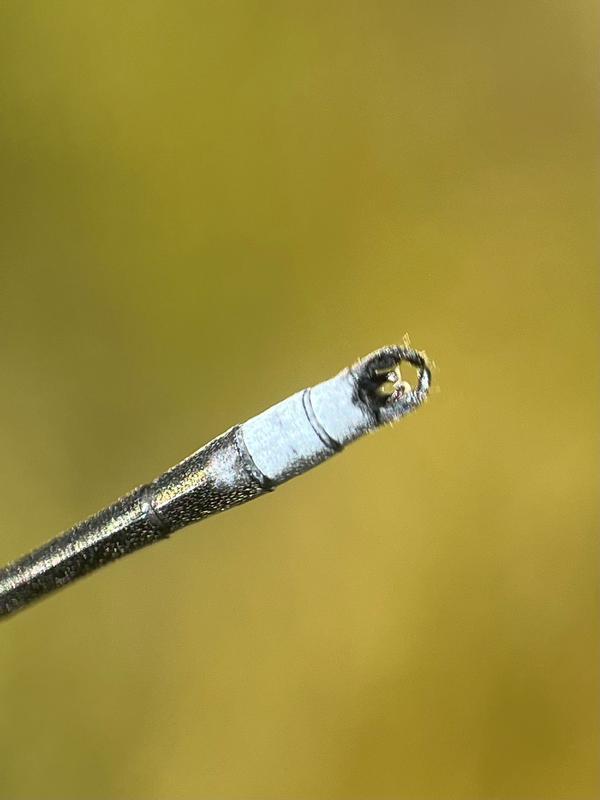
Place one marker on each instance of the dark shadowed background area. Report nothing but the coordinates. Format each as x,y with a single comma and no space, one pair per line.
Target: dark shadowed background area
207,206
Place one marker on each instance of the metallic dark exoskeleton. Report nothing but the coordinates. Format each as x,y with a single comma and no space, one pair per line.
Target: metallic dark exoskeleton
243,463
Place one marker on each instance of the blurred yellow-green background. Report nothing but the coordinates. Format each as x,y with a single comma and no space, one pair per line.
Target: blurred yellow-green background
207,206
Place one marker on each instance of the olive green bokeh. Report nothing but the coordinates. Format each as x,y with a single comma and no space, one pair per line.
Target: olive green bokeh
206,206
